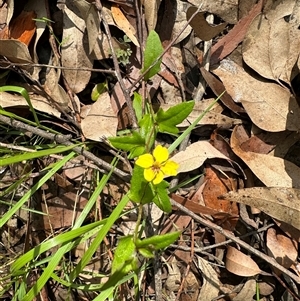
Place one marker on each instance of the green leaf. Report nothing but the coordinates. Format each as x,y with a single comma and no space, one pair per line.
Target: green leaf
138,105
98,90
161,198
135,144
146,253
148,130
125,261
25,94
177,142
153,50
167,120
157,242
37,154
144,192
124,255
140,190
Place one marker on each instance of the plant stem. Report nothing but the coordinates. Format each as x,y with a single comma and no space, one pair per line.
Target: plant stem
138,222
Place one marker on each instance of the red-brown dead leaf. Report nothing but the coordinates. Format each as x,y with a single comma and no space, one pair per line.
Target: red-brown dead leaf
230,41
216,185
218,88
23,27
197,208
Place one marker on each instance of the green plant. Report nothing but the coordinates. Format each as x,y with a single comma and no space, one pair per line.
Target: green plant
147,185
123,54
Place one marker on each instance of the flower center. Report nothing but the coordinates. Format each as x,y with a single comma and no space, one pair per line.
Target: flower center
156,167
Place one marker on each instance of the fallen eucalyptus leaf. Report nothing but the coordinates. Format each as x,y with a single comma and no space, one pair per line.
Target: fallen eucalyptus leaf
280,203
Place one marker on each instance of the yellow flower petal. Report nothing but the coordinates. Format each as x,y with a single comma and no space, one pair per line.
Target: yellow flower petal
158,178
161,154
145,161
149,174
170,168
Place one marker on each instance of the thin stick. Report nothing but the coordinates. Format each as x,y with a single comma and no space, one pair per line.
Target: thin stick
243,244
116,65
65,140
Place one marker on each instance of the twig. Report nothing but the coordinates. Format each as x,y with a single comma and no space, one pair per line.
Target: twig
243,244
117,67
57,56
65,140
189,263
6,65
206,54
220,244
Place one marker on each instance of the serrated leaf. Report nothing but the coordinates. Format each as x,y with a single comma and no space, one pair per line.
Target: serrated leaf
124,255
135,144
158,242
140,190
153,50
161,198
167,120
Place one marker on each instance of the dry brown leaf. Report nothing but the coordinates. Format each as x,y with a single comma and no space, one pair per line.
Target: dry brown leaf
282,248
218,88
247,292
38,102
262,46
236,35
272,171
15,51
90,15
202,28
280,203
101,120
123,24
53,89
195,155
211,283
227,10
179,27
197,208
240,264
62,211
151,10
40,10
270,106
174,276
73,50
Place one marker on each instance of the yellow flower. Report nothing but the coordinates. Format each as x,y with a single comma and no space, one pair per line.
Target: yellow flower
157,166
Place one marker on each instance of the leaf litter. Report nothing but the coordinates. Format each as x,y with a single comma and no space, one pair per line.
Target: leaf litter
241,152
